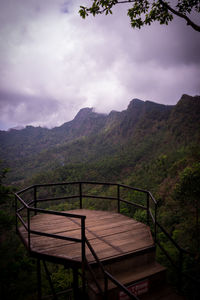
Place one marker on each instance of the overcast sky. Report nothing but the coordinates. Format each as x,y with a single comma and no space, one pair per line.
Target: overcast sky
53,63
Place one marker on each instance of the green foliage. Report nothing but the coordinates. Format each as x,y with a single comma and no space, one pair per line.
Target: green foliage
186,193
16,268
148,146
140,216
146,12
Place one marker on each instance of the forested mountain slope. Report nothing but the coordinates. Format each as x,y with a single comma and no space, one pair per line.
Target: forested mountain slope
148,145
120,140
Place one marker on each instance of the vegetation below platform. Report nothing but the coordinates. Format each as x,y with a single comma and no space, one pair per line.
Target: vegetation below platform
150,146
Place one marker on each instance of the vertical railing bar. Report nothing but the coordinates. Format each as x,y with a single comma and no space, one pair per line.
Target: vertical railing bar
155,224
16,219
29,237
80,194
83,253
148,209
118,198
35,198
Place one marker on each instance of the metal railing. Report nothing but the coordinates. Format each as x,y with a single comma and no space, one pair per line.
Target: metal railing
150,207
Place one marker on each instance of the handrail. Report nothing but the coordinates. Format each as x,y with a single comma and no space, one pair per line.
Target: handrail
151,212
152,197
121,286
108,275
40,210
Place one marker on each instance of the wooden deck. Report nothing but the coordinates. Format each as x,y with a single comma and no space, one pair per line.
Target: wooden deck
111,235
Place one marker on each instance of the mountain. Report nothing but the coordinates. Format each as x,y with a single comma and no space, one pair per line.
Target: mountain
150,146
124,139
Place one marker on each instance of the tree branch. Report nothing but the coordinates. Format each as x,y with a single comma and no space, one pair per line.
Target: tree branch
155,12
181,15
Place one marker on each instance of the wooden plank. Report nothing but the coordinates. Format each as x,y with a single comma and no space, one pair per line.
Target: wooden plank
61,228
103,248
110,234
71,224
40,242
102,231
126,229
130,276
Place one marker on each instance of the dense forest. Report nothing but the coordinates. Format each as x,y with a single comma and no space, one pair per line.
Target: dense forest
150,146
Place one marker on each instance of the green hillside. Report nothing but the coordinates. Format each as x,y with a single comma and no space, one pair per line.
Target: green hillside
105,147
148,145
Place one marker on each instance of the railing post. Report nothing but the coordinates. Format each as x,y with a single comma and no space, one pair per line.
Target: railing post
29,237
83,253
16,225
155,224
80,194
105,287
35,198
75,284
118,198
148,209
39,279
180,270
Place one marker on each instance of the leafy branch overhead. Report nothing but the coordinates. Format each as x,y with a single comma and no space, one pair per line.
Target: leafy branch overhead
144,12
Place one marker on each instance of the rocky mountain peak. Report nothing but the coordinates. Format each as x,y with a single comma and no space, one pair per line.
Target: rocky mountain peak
135,103
83,113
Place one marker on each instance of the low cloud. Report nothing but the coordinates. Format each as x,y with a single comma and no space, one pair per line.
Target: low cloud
53,63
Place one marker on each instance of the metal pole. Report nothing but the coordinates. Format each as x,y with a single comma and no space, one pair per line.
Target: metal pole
105,287
49,279
16,225
35,198
29,236
83,253
118,198
155,225
80,194
75,284
148,209
39,279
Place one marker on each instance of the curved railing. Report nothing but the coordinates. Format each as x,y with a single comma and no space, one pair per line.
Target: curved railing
149,204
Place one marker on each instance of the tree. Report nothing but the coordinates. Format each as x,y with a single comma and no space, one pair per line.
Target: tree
187,192
145,12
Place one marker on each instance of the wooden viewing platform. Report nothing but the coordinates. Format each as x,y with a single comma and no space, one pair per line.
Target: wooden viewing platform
111,235
115,253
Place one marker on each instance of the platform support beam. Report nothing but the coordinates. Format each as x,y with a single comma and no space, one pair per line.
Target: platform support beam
75,284
39,279
50,282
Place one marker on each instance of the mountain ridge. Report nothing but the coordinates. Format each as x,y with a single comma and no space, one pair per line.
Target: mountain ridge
142,131
83,113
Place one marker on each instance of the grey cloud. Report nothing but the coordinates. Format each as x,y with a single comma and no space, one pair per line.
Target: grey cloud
25,109
52,62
